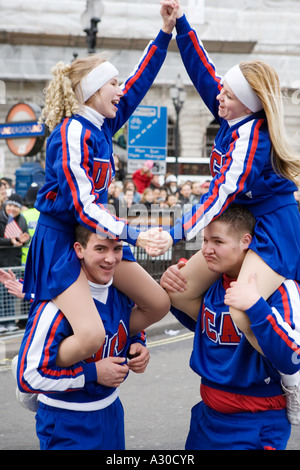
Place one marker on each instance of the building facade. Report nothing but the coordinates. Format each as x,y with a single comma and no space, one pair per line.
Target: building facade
35,35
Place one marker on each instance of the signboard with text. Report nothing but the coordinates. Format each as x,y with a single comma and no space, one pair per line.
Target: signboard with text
23,133
147,138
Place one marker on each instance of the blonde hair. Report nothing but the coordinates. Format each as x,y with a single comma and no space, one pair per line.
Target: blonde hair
61,100
265,82
144,195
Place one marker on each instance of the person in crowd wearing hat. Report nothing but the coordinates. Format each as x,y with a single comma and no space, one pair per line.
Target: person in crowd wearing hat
13,236
205,187
171,185
142,178
13,231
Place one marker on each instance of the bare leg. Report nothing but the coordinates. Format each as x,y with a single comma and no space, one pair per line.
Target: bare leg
77,305
267,280
199,278
152,302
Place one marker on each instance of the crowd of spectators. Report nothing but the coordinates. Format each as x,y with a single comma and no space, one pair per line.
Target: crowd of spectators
144,188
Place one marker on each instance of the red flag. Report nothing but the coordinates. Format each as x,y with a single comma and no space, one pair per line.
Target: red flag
12,229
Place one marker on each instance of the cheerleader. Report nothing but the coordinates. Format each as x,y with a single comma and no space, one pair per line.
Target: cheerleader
251,163
84,108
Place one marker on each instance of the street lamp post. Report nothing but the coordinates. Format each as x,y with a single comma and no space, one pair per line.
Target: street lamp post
90,19
91,35
178,95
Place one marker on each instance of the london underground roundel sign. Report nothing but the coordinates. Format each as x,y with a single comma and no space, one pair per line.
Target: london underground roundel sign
23,133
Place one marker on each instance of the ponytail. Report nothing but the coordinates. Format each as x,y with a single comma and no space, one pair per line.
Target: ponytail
265,82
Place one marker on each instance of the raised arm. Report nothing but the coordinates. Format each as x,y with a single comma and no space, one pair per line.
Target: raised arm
139,81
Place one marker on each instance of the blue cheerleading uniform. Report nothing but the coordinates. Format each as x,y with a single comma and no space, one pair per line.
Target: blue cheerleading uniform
242,171
242,405
75,412
79,169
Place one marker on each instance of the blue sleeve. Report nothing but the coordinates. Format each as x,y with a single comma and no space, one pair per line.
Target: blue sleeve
74,169
198,65
242,164
139,338
276,326
183,318
141,78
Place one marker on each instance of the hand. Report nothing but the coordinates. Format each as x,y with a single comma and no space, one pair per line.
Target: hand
15,288
24,237
111,371
141,358
16,242
7,276
155,241
21,239
242,295
172,279
169,11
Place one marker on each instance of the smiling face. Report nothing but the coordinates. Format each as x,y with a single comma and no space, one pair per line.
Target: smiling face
224,248
230,107
99,258
12,210
105,100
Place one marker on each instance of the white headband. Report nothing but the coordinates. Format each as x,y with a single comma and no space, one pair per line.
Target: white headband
95,79
242,89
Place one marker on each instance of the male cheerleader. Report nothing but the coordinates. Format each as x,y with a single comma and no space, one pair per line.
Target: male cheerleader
79,406
243,405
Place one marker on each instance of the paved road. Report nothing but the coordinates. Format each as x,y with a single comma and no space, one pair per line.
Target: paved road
157,404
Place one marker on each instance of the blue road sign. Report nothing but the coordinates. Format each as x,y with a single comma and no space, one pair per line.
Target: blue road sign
147,137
